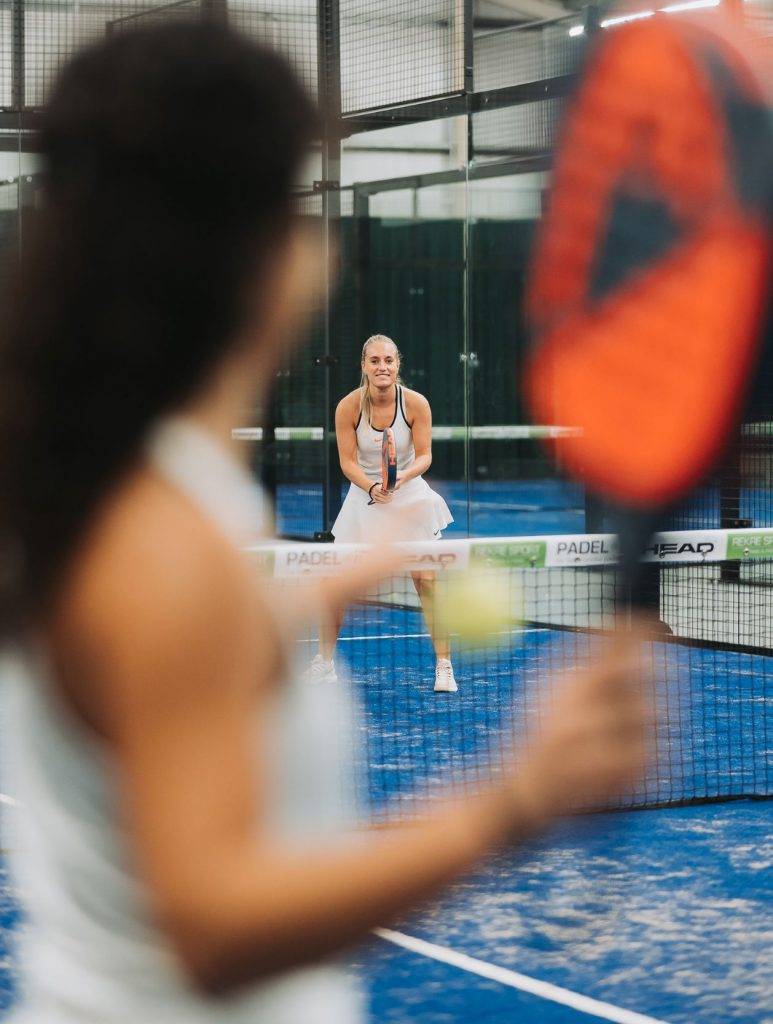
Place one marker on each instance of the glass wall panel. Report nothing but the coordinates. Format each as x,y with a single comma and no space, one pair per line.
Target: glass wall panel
514,487
404,276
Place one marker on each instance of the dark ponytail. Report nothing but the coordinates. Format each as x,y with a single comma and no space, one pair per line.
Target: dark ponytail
170,154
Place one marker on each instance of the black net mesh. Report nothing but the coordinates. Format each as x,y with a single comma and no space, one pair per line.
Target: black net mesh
707,669
740,492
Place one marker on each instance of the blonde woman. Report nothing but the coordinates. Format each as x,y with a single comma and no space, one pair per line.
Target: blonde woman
369,513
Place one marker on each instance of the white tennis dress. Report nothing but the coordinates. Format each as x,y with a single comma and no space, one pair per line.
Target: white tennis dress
91,953
424,513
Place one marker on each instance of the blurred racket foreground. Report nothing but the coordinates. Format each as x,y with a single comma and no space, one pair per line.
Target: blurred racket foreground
649,287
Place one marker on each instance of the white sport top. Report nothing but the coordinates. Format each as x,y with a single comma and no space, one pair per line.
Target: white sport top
91,953
369,441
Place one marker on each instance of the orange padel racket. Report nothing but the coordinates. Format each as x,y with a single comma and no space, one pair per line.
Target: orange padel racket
649,287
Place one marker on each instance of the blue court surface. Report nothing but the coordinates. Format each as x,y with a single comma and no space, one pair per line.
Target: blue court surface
9,919
514,508
665,913
488,508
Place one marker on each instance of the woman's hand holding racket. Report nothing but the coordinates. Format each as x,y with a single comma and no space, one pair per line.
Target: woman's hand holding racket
378,496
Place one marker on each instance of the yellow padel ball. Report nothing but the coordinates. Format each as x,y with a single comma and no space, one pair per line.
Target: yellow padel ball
477,606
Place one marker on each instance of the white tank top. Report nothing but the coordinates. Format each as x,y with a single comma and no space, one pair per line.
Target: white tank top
369,441
91,953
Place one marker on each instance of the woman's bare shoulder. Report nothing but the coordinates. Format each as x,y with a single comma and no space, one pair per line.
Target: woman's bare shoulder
350,405
414,401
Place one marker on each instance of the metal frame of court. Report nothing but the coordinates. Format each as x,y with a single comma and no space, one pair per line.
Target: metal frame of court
20,122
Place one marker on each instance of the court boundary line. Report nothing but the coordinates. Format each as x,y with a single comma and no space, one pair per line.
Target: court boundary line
512,979
418,636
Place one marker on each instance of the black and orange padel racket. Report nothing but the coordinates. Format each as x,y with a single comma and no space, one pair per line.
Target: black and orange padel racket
388,460
649,285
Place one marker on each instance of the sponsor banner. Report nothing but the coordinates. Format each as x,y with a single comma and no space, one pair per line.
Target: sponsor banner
514,554
743,544
439,433
582,549
280,434
262,558
315,559
287,561
683,546
440,555
687,546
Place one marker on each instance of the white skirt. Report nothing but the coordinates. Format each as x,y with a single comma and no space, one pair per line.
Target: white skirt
423,514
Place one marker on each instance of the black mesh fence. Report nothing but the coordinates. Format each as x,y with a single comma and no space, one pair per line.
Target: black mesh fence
396,51
529,53
289,26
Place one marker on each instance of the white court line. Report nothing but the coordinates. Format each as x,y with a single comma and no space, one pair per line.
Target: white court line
416,636
543,989
370,636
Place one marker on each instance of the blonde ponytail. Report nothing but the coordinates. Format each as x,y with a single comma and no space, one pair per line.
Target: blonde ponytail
366,403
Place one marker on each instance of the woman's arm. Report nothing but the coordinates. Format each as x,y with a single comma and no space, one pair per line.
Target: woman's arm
420,416
346,437
185,678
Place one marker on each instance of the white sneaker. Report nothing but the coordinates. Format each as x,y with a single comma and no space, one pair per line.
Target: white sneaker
444,677
321,671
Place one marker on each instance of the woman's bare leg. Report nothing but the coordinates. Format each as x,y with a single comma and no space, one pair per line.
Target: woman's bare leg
425,588
329,628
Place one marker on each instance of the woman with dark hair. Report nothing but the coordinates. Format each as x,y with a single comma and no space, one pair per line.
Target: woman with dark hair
183,830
